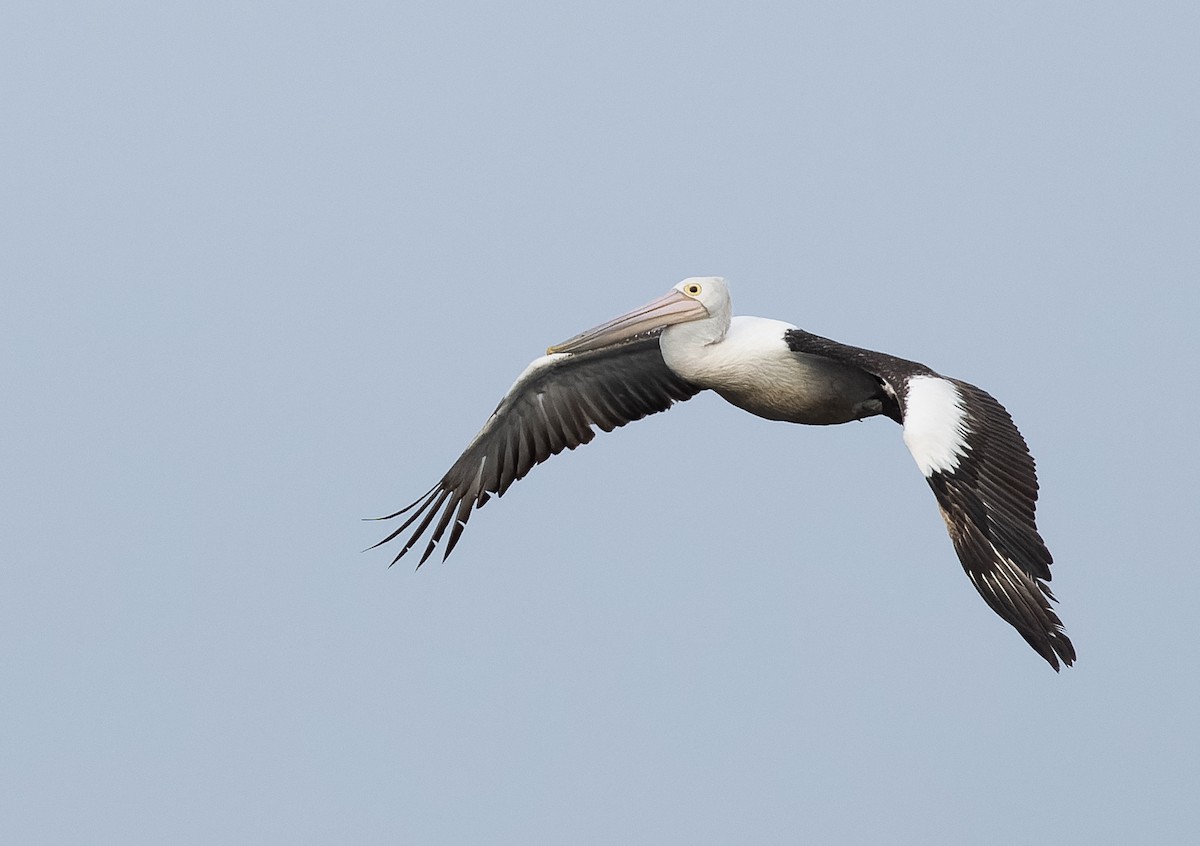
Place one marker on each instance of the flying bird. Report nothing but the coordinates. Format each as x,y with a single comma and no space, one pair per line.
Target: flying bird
965,444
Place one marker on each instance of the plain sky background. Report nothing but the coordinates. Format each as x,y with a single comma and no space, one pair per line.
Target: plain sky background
268,266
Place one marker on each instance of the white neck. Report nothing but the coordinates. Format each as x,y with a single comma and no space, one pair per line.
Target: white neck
685,346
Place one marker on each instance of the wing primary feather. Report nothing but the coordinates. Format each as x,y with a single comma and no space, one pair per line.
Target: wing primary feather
423,502
417,532
440,528
396,514
460,523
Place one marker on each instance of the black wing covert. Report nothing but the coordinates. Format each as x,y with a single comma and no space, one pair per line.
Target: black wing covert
552,406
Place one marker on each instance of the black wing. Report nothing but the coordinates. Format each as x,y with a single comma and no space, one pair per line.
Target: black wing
552,406
985,481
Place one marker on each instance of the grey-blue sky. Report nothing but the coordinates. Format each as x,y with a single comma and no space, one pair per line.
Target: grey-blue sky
268,267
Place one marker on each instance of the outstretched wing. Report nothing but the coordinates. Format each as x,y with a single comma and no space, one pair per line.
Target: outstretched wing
979,467
552,406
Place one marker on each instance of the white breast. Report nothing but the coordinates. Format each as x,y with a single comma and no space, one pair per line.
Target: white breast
752,367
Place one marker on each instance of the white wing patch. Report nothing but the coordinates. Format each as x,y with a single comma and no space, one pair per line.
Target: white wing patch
540,363
934,428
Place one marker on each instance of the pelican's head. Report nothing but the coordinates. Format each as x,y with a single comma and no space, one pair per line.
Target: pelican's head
694,299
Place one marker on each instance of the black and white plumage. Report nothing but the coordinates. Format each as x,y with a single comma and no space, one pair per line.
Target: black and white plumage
963,441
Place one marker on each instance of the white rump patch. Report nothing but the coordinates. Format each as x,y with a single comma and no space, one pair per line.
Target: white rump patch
934,429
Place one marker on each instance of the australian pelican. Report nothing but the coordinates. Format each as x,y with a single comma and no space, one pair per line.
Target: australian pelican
964,442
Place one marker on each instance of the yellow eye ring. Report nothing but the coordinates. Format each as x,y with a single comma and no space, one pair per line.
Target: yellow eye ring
692,289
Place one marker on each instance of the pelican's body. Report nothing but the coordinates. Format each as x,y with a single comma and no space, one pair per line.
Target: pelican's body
963,441
749,366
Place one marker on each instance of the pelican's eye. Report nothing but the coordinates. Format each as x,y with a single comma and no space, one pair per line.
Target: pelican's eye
692,289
